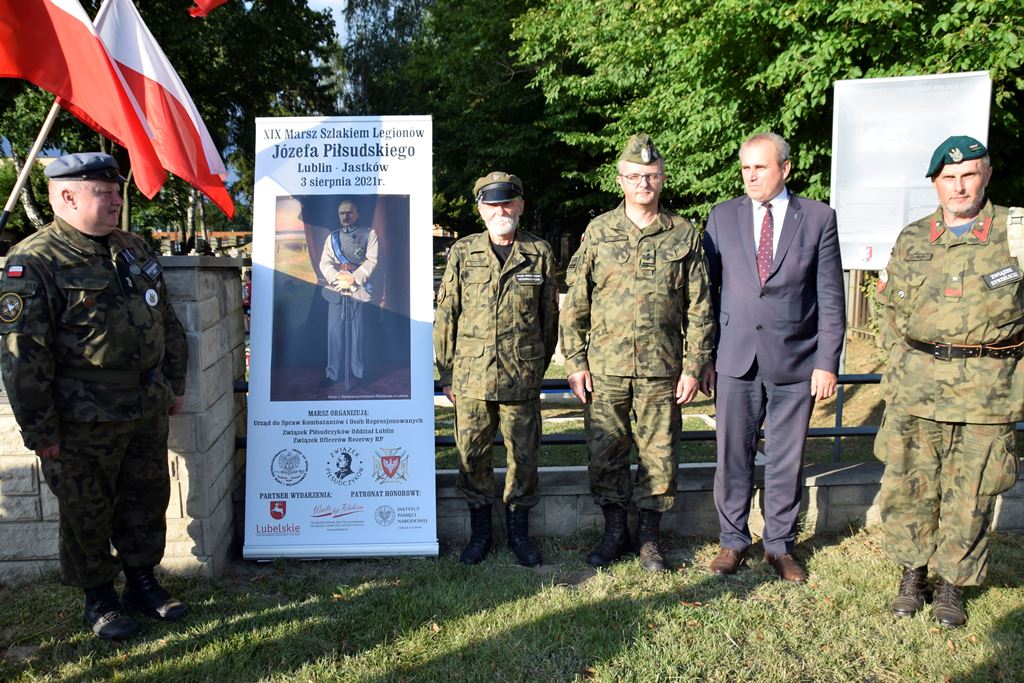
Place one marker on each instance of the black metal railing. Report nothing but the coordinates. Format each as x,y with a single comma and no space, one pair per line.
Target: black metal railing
561,386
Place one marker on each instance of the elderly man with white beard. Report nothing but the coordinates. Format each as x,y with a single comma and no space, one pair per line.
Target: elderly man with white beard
495,330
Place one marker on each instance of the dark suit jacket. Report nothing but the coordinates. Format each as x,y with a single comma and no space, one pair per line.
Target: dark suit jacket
797,321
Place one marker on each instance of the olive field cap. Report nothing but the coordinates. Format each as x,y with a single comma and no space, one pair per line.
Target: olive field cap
85,166
640,149
953,150
497,187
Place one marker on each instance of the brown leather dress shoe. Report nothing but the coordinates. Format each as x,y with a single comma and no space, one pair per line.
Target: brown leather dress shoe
727,561
786,567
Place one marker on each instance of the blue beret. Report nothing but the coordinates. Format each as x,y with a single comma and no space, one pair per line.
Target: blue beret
85,166
953,150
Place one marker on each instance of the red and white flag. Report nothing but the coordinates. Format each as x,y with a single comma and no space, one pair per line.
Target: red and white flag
52,44
178,133
204,7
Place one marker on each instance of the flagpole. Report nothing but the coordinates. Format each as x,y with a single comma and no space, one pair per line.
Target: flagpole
37,146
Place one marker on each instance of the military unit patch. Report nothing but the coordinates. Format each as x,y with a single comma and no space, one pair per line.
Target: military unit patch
529,278
11,307
1003,276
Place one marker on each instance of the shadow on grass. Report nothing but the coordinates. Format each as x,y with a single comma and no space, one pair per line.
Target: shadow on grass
1007,664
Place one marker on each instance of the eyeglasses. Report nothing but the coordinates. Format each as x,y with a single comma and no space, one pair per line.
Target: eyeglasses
651,178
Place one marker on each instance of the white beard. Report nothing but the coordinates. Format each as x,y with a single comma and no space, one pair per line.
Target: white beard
502,226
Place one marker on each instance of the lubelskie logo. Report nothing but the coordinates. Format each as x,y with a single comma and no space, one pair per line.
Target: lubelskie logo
278,508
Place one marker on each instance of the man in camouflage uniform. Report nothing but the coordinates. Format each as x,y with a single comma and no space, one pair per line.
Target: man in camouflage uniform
953,327
93,361
347,263
495,331
637,316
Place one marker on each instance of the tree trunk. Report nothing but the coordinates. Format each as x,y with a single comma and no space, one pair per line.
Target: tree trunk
28,200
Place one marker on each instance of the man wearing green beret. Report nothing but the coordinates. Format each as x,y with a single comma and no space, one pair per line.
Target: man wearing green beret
495,330
953,326
637,331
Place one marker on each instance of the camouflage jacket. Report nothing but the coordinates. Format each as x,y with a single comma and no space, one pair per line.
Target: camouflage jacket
936,292
639,301
496,327
77,320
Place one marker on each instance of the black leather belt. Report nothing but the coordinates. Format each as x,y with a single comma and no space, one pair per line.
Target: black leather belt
1013,348
105,376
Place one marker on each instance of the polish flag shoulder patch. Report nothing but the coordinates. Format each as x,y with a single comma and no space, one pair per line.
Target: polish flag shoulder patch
15,271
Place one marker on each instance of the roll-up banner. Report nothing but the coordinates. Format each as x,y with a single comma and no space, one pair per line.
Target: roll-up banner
340,455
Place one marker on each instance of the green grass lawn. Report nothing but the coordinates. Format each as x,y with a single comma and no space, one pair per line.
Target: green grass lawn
435,620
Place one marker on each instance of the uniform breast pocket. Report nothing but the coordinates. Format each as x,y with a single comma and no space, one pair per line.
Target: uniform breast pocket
611,259
476,287
905,290
85,303
674,269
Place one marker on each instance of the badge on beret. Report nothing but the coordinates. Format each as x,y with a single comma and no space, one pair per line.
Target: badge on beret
956,155
11,307
645,154
152,297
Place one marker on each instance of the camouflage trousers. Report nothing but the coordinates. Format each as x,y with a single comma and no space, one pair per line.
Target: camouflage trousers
476,423
624,410
938,492
112,486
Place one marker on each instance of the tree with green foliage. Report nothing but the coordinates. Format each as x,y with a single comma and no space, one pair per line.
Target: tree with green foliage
456,61
702,76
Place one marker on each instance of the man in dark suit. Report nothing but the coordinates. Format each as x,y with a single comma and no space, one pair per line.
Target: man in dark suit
777,289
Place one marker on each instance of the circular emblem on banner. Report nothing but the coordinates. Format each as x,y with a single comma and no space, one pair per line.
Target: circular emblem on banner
11,306
152,297
384,515
344,466
289,467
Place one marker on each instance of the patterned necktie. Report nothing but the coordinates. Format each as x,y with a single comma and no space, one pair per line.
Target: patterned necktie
764,245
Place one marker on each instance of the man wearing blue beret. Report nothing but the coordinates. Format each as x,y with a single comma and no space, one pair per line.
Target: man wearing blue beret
93,360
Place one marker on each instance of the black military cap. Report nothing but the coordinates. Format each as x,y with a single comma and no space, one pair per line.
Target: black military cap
85,166
497,187
953,150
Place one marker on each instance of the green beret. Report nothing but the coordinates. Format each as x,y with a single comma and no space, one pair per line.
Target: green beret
497,187
640,149
84,166
954,150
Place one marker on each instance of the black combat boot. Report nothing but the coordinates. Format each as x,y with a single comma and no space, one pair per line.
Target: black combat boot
615,543
517,523
480,537
143,593
913,592
948,604
105,616
652,559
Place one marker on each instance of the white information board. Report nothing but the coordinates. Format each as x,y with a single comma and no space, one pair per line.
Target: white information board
341,466
884,131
